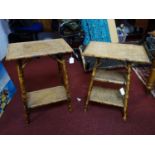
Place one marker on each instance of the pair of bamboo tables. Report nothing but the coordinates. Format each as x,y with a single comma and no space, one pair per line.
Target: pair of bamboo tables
57,48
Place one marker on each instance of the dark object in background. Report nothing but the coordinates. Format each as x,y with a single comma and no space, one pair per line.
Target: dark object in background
24,30
20,37
136,29
48,35
149,45
25,25
55,25
70,30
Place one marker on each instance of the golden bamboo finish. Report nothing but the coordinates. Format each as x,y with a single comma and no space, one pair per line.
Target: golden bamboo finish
94,94
127,92
59,63
64,78
91,84
23,89
151,79
25,62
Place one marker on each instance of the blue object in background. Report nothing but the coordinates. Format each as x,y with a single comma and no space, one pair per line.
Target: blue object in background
95,30
7,89
4,32
35,27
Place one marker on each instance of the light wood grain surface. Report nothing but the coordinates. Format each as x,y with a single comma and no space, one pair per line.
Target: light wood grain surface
37,48
124,52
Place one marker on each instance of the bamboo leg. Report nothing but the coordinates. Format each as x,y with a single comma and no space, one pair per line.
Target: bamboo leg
151,80
91,85
60,69
127,92
83,59
23,90
66,83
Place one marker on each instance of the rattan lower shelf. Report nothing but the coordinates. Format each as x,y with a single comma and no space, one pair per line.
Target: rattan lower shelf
46,96
110,76
106,96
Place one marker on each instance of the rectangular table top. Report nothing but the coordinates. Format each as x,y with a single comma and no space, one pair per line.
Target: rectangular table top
117,51
37,48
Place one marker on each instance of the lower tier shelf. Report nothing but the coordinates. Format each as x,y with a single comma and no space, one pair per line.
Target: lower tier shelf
46,96
106,96
110,76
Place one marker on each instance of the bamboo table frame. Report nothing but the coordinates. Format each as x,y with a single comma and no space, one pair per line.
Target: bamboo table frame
115,51
22,53
151,80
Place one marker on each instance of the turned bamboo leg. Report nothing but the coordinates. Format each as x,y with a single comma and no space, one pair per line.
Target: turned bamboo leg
66,83
127,92
91,85
23,90
151,80
60,69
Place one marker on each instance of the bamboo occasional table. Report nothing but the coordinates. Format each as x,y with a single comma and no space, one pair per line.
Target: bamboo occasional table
22,53
114,51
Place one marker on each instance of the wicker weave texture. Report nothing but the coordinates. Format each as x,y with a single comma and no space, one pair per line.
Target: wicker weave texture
110,76
46,96
106,96
124,52
37,48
